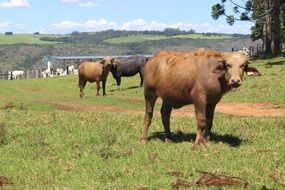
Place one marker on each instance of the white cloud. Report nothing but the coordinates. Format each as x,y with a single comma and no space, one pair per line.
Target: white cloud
242,28
20,26
140,24
70,1
88,4
4,24
101,24
82,3
65,25
15,4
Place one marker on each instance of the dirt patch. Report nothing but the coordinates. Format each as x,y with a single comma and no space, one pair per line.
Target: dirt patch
210,179
7,106
239,109
220,180
3,181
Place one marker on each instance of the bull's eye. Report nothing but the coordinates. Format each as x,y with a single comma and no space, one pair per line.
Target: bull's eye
228,65
243,66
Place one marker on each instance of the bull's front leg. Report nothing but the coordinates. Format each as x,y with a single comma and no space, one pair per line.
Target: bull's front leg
104,87
165,116
200,111
141,76
118,80
209,122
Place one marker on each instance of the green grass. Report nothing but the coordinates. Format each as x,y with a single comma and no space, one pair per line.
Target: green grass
44,147
143,38
23,38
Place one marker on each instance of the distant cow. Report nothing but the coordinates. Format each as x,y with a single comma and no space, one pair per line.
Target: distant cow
130,66
94,72
17,74
200,78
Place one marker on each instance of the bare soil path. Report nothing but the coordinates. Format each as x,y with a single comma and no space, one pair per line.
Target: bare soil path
238,109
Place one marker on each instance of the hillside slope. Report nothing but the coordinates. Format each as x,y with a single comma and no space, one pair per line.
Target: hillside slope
20,52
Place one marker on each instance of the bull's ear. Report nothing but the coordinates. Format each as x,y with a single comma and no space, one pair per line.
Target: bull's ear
251,71
221,67
102,61
115,62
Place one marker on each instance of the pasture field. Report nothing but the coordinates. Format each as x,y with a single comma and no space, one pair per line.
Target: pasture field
35,39
143,38
51,139
23,38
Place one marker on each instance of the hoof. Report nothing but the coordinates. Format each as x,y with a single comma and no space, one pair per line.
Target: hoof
168,140
202,142
143,141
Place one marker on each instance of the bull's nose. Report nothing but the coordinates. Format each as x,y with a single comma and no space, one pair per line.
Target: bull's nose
235,81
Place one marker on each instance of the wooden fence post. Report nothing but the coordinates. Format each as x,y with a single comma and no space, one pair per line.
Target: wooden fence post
27,74
37,73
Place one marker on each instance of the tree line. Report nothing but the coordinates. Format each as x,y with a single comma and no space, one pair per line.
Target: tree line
97,37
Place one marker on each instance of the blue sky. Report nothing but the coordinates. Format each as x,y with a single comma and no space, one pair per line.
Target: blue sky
65,16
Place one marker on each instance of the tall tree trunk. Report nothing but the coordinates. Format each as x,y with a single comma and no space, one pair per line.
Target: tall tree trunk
283,22
267,29
276,26
271,27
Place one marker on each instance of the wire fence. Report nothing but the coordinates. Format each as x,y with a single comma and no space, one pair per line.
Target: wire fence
28,74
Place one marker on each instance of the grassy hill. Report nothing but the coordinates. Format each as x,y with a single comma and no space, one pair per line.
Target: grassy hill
143,38
51,139
24,39
90,38
24,51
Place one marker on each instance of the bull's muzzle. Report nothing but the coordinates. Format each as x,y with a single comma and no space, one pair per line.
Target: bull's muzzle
235,82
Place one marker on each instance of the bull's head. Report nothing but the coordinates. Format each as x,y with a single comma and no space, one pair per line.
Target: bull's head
115,62
107,61
235,64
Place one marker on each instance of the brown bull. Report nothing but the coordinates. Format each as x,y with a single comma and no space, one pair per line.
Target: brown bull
200,78
94,72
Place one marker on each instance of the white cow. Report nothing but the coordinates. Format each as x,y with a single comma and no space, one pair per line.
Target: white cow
47,72
245,51
17,74
70,69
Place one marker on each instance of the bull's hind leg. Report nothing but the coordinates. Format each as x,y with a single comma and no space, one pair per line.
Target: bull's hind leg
150,99
165,116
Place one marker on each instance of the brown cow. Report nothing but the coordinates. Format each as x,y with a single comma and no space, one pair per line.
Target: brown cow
94,72
200,77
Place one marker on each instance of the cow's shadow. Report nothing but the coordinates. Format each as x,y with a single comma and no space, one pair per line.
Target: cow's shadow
126,88
276,63
231,140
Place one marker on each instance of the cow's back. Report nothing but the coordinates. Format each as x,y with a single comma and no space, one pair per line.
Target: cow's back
176,77
90,71
131,65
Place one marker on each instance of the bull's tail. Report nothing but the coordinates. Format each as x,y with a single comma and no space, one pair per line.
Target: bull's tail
146,60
